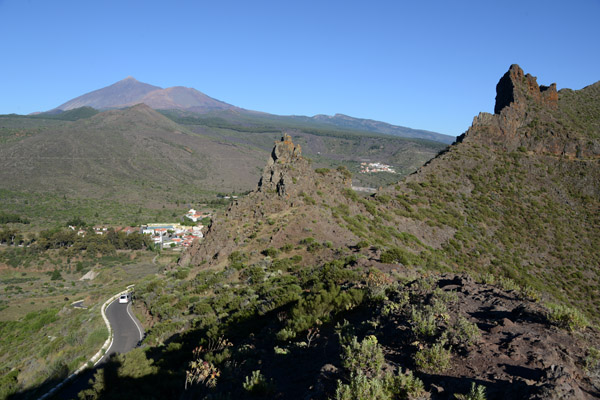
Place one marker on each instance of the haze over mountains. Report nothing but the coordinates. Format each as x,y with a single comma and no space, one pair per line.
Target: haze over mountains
129,92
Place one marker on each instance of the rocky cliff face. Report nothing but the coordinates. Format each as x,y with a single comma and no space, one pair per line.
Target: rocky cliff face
532,118
516,87
285,161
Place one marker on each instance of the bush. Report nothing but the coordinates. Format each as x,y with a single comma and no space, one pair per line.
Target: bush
402,386
395,255
361,387
285,334
463,333
433,359
322,171
592,360
287,247
407,386
9,383
423,323
270,252
567,317
362,244
365,357
318,307
258,385
55,276
477,392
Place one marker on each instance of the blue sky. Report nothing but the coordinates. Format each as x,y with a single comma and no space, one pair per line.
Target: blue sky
424,64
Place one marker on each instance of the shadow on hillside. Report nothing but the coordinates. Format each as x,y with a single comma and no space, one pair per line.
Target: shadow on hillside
305,371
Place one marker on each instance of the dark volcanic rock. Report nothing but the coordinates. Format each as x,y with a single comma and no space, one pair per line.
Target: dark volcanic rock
284,159
516,87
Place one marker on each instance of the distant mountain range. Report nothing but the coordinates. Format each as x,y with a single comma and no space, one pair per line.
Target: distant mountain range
345,121
129,92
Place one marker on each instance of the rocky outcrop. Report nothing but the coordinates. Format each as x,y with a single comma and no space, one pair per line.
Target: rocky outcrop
516,87
285,160
529,117
287,182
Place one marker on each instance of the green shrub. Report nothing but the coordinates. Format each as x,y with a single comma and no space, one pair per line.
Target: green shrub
181,273
258,385
407,386
433,359
313,247
285,334
55,275
270,252
487,278
287,247
423,322
592,360
365,356
307,241
567,317
344,171
477,392
463,333
319,306
362,387
362,244
530,293
509,284
396,255
9,383
322,171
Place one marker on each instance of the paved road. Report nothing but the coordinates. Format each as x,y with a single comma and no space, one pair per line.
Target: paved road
127,332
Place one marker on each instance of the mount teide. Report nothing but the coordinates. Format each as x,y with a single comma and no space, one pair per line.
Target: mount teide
129,92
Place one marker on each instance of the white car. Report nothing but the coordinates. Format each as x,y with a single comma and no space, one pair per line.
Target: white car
124,299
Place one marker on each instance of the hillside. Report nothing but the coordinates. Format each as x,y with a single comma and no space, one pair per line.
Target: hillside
133,153
137,157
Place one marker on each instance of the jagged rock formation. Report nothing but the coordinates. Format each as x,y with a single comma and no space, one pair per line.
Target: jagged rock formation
287,185
516,87
533,118
284,159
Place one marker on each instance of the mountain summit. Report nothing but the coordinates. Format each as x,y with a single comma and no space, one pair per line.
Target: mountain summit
130,91
117,95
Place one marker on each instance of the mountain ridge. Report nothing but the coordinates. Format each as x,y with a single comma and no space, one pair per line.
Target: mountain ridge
382,127
129,91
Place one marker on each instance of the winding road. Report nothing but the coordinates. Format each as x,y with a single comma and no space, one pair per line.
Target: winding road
127,333
127,330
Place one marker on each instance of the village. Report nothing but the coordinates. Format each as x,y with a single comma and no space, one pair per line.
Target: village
375,167
174,236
